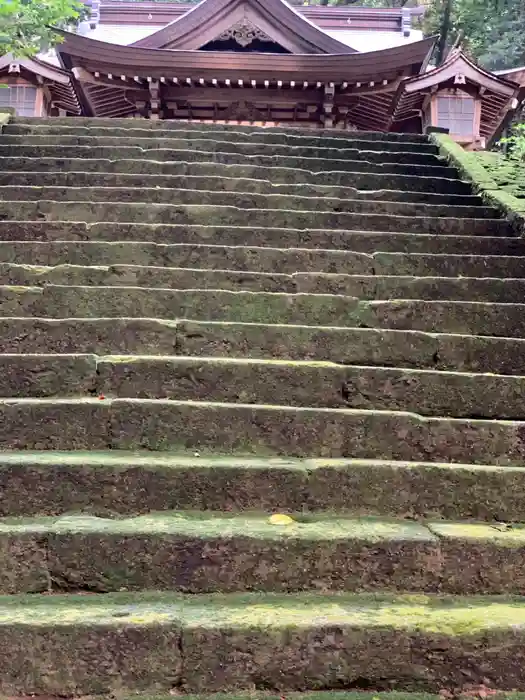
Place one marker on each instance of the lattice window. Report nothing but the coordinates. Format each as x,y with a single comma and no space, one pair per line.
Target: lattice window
456,113
21,97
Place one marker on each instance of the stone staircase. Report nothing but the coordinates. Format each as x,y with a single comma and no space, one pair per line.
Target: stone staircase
202,326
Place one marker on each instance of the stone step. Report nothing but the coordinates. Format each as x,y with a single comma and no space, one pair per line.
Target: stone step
362,175
251,429
209,552
372,286
266,259
359,140
464,317
242,200
281,382
176,125
369,162
279,265
63,242
174,183
347,346
56,301
215,642
275,381
216,215
321,152
118,482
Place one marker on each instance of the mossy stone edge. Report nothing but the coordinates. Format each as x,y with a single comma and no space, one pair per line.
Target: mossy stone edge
471,169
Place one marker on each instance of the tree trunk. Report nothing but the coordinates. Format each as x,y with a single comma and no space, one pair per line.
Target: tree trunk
444,31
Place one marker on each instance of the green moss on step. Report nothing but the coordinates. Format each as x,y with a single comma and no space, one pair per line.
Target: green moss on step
207,525
451,616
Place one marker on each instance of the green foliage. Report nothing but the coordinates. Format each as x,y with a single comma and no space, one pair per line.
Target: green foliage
515,143
493,30
26,25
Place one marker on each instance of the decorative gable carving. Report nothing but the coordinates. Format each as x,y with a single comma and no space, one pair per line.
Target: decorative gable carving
243,32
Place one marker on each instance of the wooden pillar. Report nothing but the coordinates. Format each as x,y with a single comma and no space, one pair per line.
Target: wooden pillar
328,105
154,103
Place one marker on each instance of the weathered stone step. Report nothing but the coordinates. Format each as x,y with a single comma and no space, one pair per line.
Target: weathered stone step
274,261
361,175
360,140
371,286
347,346
275,381
276,265
282,382
62,242
34,375
253,149
117,482
203,643
209,552
447,265
176,125
464,317
225,184
252,429
217,215
242,200
56,301
368,162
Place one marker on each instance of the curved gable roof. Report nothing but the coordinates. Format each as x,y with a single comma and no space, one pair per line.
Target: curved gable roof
456,63
276,18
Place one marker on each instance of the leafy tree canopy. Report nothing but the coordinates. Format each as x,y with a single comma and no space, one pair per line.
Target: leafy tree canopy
25,25
493,30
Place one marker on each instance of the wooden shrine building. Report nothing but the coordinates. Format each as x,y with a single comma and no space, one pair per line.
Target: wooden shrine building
267,62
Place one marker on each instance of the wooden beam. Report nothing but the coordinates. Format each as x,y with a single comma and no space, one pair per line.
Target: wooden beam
251,94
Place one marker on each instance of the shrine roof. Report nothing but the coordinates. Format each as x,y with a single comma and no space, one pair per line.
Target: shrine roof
279,20
94,55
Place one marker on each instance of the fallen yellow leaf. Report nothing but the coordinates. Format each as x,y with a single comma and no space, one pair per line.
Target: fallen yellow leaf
280,519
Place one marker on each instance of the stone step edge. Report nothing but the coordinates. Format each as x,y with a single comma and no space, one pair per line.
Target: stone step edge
40,271
84,227
189,134
379,554
42,204
186,143
441,172
241,428
295,342
181,322
79,162
308,384
189,130
174,125
359,303
273,188
143,481
225,642
270,196
439,161
259,526
93,362
378,254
